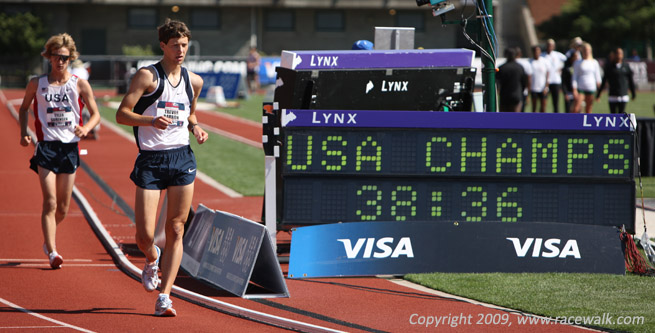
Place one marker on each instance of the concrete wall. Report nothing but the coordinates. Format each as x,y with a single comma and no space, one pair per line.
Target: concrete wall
238,23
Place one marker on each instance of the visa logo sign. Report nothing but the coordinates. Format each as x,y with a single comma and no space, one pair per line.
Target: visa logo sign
551,248
384,248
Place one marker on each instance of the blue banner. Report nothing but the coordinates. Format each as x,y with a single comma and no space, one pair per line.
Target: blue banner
398,248
229,82
267,73
472,120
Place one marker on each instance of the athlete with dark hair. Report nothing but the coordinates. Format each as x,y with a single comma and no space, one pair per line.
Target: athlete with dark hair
160,105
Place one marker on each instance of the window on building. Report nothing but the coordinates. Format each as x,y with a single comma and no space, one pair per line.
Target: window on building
280,20
411,19
205,19
142,18
94,41
330,20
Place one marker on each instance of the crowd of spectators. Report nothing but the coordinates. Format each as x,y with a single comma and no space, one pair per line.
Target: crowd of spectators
575,75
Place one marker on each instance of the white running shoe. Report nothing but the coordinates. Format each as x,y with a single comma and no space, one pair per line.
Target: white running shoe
149,276
55,259
164,307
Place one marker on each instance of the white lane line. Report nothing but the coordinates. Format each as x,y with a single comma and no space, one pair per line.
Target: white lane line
200,175
65,264
36,260
220,114
225,307
61,323
233,136
27,327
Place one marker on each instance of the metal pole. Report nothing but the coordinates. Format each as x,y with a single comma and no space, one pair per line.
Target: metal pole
488,66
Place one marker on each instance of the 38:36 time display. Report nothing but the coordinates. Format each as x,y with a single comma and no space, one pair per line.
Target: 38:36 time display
321,200
447,167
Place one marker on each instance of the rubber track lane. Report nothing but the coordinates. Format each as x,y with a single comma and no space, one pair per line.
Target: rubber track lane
356,304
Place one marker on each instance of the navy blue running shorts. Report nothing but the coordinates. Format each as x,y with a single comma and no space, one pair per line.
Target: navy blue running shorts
56,156
157,170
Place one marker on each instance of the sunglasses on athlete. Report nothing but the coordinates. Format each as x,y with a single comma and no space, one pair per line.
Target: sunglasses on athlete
61,57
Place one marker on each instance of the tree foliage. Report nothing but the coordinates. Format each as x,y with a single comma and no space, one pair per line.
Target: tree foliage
604,24
21,35
138,50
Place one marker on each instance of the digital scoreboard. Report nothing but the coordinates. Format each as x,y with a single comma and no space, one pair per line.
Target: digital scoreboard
354,165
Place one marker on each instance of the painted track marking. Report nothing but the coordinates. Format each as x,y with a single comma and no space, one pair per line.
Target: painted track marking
61,323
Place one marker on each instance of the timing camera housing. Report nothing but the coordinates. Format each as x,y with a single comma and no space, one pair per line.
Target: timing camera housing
439,7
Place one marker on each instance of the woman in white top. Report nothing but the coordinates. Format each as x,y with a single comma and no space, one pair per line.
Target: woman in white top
539,84
586,79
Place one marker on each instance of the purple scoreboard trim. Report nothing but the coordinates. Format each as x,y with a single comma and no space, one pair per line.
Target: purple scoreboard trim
459,120
350,59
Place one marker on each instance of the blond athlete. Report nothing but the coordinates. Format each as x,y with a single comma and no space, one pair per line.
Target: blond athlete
59,98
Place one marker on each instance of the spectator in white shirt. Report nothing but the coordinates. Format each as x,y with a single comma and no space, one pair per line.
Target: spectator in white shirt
557,60
539,86
586,79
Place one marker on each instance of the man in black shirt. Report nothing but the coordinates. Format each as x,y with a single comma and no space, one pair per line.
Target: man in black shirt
511,80
619,77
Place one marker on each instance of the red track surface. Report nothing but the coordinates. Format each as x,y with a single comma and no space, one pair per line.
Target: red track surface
91,293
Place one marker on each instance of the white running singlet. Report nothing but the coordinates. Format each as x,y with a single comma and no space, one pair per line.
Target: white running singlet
173,103
57,110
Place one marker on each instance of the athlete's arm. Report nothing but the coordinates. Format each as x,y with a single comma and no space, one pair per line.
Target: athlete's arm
30,93
143,82
199,133
86,93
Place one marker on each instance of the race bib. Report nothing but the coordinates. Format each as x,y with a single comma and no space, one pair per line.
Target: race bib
173,111
59,116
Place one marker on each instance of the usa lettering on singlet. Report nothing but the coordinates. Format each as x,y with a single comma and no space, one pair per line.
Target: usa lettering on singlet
57,110
169,101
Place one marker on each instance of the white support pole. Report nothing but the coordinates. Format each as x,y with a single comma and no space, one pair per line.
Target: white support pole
270,200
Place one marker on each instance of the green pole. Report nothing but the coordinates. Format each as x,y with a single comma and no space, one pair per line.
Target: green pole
488,67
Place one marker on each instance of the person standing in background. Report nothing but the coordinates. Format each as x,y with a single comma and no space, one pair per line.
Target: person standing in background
586,79
569,93
574,47
539,88
252,63
618,76
557,60
527,69
512,81
59,98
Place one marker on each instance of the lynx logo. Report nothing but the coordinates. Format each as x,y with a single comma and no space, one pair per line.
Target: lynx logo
608,122
384,246
551,246
369,86
56,98
339,118
394,86
329,61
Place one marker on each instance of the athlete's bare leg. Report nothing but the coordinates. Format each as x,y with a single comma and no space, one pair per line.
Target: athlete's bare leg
56,190
179,203
145,218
